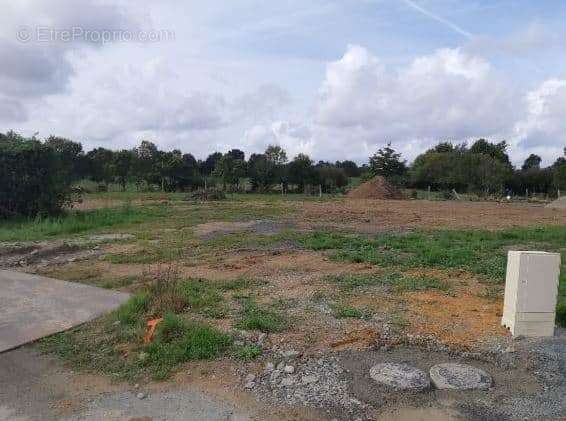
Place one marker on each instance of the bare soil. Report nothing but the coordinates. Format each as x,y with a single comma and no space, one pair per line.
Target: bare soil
373,216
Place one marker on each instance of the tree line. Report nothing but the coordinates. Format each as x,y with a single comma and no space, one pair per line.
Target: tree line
37,176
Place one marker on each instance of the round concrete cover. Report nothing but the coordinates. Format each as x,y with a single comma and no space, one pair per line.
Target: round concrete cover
400,376
459,377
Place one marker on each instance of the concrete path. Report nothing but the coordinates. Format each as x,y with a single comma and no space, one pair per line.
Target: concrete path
32,307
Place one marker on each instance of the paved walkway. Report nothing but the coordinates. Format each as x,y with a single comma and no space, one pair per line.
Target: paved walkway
32,307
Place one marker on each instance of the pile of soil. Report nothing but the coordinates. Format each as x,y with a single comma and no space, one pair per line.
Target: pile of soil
376,188
558,203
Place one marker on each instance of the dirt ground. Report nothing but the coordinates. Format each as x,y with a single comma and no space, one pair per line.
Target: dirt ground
465,320
381,215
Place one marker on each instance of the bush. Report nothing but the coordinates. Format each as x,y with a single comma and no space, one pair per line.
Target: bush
33,178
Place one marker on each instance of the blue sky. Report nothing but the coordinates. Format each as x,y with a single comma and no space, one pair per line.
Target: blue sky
334,79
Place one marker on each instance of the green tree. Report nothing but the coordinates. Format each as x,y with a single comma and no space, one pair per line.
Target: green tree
387,163
33,178
229,170
71,153
100,163
533,161
497,151
301,171
123,166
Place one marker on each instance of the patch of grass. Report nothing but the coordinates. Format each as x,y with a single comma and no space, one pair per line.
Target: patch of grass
78,222
132,310
349,312
395,280
255,317
240,283
480,252
561,314
248,352
177,341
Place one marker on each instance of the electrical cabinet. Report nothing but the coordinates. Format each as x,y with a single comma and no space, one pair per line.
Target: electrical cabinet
531,290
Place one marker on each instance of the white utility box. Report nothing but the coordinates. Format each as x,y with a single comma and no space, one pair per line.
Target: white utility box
531,290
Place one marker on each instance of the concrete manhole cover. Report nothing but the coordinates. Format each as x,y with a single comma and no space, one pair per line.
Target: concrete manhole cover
400,376
459,377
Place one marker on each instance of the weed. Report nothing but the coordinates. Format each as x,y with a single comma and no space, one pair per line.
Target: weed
177,341
349,312
254,317
77,222
132,310
240,283
395,280
248,352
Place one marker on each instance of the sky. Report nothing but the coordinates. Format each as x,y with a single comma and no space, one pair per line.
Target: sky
333,79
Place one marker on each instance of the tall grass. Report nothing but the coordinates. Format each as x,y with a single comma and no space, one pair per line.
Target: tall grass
77,222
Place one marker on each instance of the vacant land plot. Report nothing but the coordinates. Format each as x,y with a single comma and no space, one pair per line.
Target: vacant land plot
255,277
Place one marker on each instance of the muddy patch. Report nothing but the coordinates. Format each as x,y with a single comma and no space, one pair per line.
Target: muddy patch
41,254
212,230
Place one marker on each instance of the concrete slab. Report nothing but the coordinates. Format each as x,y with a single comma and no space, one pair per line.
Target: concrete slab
32,307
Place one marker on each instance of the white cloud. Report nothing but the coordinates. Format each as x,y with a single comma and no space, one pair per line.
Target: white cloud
448,95
543,130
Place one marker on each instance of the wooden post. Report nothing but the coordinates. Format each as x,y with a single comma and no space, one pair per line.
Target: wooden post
428,195
320,190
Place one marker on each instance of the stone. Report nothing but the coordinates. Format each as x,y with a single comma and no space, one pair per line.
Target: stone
459,377
400,377
140,395
269,366
289,369
250,378
289,354
275,375
309,379
249,385
261,338
287,381
280,366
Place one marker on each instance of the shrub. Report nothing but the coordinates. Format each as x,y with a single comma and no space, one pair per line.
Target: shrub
33,178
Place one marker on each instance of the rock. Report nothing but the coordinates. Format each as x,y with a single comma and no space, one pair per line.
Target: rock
261,338
287,381
309,379
249,385
269,366
289,369
116,323
400,376
275,375
290,354
140,395
459,377
250,378
136,386
280,366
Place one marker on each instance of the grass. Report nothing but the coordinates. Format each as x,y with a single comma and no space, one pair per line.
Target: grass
78,222
256,317
394,280
349,312
177,341
248,352
480,252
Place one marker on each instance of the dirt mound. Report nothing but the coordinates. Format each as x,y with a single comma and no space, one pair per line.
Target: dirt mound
558,203
376,188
